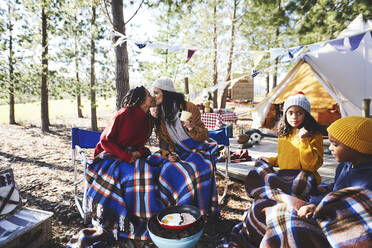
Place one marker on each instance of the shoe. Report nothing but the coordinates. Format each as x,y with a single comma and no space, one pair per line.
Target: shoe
244,156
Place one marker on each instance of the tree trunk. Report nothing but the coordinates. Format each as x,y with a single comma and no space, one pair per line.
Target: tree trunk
229,64
121,52
187,85
93,105
78,86
11,68
44,75
215,71
275,78
267,83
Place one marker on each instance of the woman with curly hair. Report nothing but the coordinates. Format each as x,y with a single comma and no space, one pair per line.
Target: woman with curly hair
187,166
121,186
129,130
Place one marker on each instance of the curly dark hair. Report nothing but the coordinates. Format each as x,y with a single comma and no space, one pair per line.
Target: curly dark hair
309,123
170,106
134,97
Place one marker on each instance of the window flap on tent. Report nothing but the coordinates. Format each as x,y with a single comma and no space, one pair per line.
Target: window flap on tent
305,81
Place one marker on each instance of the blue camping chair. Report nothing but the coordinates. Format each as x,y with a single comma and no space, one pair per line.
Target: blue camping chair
85,139
221,137
82,139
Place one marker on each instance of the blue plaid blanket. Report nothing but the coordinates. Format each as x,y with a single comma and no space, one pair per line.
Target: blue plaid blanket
342,219
122,196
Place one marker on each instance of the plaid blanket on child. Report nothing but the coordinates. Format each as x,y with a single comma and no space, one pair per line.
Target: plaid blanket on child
122,196
342,219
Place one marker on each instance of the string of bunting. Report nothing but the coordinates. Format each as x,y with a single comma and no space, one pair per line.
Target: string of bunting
291,52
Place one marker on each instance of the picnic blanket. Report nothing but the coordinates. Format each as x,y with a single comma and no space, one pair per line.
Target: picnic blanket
122,197
342,219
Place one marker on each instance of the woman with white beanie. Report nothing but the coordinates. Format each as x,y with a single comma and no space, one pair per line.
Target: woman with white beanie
182,134
169,127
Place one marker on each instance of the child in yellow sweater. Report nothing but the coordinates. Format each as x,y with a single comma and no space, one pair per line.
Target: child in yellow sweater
300,142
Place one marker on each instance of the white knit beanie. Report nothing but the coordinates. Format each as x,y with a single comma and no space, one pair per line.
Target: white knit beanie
297,100
165,83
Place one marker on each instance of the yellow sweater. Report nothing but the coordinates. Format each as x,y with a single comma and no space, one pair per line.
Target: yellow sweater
295,153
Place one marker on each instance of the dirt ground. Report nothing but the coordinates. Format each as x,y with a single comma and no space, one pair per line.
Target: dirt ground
43,172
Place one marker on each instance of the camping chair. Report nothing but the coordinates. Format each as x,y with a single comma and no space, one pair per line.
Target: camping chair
220,136
82,139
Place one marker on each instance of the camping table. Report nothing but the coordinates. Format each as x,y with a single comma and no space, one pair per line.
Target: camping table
214,121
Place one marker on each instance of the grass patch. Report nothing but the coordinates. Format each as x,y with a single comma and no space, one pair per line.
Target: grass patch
57,109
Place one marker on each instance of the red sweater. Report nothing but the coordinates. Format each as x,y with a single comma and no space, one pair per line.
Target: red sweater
130,127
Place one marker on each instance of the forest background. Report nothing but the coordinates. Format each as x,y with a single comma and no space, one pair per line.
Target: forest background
81,51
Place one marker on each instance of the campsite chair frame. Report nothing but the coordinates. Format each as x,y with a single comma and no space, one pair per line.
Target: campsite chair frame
82,139
221,137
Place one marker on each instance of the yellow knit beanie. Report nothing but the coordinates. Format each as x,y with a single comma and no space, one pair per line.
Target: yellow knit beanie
354,132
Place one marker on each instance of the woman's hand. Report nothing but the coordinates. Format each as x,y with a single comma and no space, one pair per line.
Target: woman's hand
188,125
306,211
303,133
135,156
172,157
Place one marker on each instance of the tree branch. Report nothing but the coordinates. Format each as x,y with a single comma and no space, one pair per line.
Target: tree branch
135,13
107,13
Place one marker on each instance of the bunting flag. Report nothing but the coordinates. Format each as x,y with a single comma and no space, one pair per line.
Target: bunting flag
255,73
234,81
190,52
140,45
338,44
276,52
315,47
176,48
293,51
355,41
257,56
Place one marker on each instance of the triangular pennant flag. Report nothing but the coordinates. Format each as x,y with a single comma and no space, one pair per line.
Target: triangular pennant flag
255,73
233,82
190,52
257,56
140,45
355,41
338,44
222,85
276,52
175,49
293,51
315,47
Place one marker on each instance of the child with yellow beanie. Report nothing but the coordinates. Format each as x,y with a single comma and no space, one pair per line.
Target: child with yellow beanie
351,145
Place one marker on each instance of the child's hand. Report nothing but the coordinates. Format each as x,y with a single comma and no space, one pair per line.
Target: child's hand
306,211
303,133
